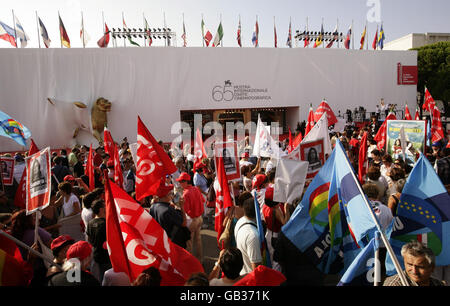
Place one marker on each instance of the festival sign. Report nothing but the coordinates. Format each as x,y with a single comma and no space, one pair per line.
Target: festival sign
228,150
7,169
313,153
414,133
38,184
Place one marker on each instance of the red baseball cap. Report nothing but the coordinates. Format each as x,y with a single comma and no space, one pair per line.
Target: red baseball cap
258,180
245,154
183,177
163,189
80,250
59,241
69,178
198,165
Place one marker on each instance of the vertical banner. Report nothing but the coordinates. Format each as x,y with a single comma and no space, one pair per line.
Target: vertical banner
7,169
228,150
38,184
414,143
313,153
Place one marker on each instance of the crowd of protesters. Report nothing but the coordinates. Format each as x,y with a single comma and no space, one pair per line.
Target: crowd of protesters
189,202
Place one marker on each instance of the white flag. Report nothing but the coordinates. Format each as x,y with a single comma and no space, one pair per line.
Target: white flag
290,178
21,33
320,130
265,145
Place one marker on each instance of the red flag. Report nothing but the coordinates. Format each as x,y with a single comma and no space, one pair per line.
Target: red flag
429,102
448,144
199,149
437,133
145,243
310,123
375,40
297,140
108,143
417,116
21,193
362,159
89,170
325,108
104,40
407,113
153,163
223,197
380,137
291,144
118,174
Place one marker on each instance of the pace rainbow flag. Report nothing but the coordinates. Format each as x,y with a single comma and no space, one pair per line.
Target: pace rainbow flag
423,214
13,129
332,222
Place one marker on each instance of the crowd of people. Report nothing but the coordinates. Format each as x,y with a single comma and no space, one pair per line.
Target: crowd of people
185,205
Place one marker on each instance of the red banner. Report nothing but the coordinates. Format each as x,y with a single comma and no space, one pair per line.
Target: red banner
406,75
38,184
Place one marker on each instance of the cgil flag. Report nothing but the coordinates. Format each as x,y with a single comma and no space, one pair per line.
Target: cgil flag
44,33
7,33
219,36
152,163
325,108
417,115
407,113
13,129
223,198
136,241
361,271
429,103
199,148
65,41
423,214
332,219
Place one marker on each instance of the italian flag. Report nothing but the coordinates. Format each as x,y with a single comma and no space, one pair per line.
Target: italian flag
219,35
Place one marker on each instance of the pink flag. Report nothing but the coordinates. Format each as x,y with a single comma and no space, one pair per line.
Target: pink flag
136,241
152,163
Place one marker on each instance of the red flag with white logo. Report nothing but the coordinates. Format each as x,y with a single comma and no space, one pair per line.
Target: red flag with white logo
199,149
223,197
21,193
108,143
380,137
362,159
89,170
136,241
429,102
152,163
310,122
407,113
325,108
437,133
417,116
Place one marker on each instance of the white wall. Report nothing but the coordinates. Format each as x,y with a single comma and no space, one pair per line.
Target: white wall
158,82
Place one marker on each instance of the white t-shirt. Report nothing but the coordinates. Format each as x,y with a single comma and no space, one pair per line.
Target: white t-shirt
113,278
86,215
68,206
247,241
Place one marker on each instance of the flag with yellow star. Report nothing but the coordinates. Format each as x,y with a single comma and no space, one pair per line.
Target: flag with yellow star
423,213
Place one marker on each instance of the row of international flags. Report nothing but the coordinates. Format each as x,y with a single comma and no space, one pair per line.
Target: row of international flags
12,34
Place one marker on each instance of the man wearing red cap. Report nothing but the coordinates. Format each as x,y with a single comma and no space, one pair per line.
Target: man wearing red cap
79,257
171,219
194,208
59,247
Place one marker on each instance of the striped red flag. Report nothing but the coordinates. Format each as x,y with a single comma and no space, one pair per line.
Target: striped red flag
437,132
417,116
380,137
325,108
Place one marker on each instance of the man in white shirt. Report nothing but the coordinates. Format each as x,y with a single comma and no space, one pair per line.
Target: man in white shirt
247,239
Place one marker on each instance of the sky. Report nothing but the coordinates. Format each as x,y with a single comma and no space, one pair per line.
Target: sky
399,18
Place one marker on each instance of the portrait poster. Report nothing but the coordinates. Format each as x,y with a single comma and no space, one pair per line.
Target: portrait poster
7,169
313,153
414,134
38,185
228,150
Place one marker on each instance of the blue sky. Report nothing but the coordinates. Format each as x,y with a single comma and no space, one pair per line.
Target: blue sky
399,17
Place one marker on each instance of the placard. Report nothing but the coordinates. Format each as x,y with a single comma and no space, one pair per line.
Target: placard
415,131
228,150
38,184
313,153
7,169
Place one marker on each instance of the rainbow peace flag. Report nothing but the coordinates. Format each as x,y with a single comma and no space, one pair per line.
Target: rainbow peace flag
13,129
332,222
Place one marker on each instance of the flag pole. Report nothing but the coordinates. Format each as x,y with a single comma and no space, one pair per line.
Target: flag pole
145,29
37,25
377,268
123,24
221,40
167,39
337,30
15,31
383,236
352,37
203,32
82,29
323,42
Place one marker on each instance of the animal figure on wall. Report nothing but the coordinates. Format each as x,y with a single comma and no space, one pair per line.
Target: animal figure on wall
80,117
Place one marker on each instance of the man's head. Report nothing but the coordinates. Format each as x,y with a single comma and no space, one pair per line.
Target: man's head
231,263
419,262
184,180
249,208
98,208
376,155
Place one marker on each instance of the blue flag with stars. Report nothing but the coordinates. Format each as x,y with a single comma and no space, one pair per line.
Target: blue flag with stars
423,214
